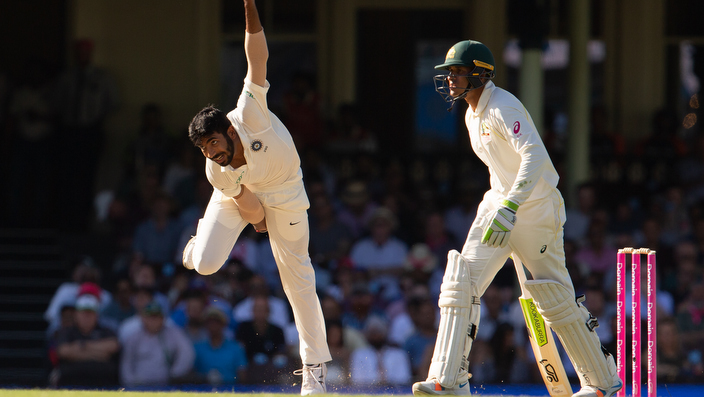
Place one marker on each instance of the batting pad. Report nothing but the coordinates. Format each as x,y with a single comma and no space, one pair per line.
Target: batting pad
569,319
459,317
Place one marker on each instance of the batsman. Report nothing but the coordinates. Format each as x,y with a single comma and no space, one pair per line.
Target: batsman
521,214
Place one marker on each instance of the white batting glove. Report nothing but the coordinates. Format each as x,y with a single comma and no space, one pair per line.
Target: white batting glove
499,229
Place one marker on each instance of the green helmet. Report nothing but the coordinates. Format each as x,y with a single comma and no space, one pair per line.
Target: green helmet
473,55
469,53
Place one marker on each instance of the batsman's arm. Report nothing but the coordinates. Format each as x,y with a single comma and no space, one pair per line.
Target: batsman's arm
255,46
541,340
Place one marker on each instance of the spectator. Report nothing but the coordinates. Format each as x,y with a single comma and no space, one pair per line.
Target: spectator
671,357
420,343
278,309
382,254
87,352
264,342
156,238
85,96
141,297
189,314
597,250
120,308
219,359
690,317
339,367
83,272
460,215
493,313
357,209
352,338
330,239
32,125
152,145
580,217
156,354
301,112
510,361
360,307
348,135
379,364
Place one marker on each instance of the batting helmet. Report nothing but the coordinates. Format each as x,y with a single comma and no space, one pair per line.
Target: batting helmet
471,54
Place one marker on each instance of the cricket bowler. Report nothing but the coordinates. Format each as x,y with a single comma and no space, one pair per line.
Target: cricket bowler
256,174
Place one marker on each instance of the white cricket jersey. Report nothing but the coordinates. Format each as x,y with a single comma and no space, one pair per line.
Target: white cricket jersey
504,137
272,164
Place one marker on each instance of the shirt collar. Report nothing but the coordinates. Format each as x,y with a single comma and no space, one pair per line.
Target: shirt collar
484,98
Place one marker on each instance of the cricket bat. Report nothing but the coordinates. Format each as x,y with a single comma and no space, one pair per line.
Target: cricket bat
542,341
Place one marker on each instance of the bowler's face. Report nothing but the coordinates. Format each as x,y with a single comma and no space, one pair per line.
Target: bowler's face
218,147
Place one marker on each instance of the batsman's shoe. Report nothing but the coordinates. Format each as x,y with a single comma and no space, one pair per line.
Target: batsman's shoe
431,387
314,378
593,391
188,254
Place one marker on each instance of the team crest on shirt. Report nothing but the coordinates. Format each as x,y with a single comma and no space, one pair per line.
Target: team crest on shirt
486,133
256,145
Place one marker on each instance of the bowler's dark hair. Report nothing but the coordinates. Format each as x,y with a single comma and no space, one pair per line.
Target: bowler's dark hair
206,122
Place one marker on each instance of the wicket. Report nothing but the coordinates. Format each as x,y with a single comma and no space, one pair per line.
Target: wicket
636,320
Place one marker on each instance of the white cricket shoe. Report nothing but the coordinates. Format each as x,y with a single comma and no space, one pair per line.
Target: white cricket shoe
593,391
431,387
314,377
188,254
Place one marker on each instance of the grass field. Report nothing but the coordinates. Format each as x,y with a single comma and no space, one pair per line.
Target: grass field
677,390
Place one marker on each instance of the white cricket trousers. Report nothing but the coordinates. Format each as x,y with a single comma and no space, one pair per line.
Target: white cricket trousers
288,230
537,240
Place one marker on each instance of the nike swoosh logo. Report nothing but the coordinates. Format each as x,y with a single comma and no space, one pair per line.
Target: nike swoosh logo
463,384
294,223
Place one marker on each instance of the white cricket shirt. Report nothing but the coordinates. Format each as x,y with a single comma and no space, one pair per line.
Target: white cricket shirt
504,137
273,164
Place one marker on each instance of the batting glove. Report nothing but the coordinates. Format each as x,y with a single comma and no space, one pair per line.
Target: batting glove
499,229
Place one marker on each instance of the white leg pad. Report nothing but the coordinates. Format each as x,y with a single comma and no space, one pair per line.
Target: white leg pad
574,325
459,318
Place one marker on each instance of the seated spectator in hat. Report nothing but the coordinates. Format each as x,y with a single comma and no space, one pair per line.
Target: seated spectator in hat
141,296
156,355
219,359
264,342
87,352
379,364
83,272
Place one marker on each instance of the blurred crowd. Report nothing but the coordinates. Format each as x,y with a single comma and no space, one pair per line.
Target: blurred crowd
381,224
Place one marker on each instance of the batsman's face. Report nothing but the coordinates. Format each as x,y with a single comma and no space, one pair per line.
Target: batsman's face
457,79
218,147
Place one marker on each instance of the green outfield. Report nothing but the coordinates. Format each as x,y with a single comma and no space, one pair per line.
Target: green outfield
114,393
